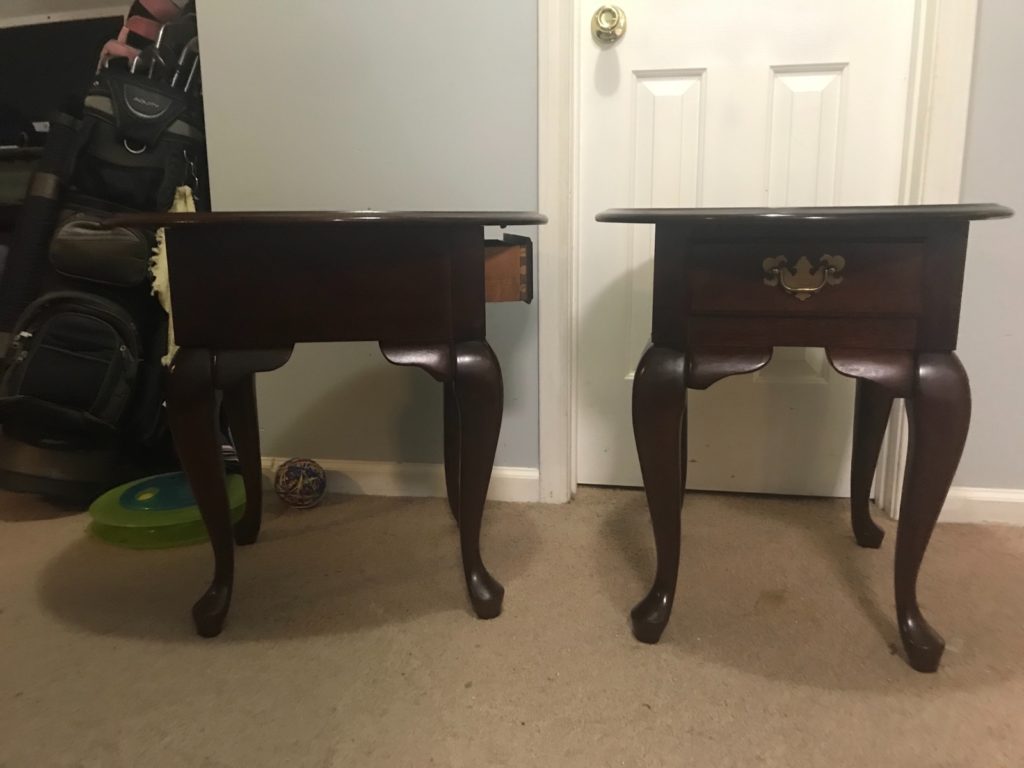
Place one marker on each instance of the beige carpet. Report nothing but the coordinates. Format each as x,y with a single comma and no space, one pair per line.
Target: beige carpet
350,643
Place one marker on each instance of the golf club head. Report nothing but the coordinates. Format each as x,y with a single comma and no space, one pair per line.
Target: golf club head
191,48
192,74
176,34
150,59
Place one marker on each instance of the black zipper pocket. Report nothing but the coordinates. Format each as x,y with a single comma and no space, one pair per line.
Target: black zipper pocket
76,352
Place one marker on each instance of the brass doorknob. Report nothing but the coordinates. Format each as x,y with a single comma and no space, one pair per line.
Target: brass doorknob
608,24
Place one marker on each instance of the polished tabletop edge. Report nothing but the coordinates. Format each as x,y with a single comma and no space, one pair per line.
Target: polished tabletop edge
256,218
828,213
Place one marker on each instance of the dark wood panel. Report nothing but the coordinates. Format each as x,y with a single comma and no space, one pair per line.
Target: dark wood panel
463,249
892,371
877,279
860,333
671,284
947,256
706,366
318,282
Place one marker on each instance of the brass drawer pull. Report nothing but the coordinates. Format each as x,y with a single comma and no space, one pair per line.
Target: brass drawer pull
803,280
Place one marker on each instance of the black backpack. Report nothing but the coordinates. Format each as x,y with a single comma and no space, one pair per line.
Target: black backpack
72,368
83,366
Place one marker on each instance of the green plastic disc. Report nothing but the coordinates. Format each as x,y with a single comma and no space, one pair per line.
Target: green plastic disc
156,512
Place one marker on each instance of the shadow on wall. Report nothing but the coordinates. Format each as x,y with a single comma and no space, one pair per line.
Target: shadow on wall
345,401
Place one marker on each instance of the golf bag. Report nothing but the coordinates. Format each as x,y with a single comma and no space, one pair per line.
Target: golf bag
82,373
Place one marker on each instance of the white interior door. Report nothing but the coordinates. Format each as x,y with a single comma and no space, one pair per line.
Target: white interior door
739,103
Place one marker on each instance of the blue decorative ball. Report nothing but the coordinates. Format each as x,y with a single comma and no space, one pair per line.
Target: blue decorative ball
301,483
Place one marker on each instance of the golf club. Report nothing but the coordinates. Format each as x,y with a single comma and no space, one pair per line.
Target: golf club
191,47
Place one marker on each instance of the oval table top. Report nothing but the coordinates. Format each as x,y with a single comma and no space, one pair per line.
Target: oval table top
259,218
860,214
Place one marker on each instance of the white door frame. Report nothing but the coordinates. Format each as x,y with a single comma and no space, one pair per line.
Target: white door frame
940,83
933,160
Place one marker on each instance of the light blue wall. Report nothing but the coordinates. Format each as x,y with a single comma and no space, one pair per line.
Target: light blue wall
324,104
991,327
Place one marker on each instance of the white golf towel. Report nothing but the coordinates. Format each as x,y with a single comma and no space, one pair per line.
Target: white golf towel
183,203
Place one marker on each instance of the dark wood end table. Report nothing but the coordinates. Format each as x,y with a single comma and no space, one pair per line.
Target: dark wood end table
878,287
246,287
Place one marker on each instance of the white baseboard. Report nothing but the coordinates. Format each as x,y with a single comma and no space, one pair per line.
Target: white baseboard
984,505
385,478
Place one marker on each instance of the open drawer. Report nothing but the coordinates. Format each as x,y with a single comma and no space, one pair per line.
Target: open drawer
508,269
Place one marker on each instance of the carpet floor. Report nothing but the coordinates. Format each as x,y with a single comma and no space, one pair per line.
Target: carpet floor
350,643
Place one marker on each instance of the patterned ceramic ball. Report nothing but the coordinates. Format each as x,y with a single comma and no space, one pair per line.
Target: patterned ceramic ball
301,483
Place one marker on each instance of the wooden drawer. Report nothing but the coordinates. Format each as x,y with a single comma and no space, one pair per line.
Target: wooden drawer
508,269
872,279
